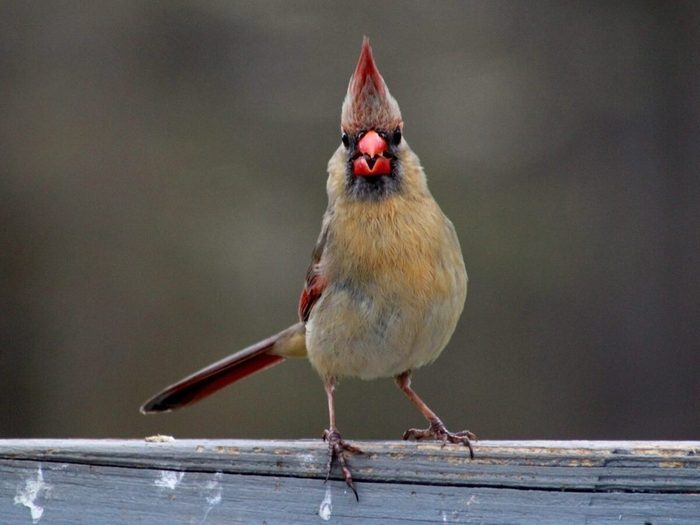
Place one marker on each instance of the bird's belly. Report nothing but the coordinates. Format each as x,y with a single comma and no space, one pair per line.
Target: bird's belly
353,332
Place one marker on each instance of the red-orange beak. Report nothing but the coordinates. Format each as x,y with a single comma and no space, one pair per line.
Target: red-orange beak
372,144
371,161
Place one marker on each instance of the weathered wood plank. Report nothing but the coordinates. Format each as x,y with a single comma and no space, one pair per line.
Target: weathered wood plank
238,481
75,494
580,465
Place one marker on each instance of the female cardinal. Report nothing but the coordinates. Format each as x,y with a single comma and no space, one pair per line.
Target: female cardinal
386,284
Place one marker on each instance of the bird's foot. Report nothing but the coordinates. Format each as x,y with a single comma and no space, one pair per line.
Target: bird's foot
437,431
337,449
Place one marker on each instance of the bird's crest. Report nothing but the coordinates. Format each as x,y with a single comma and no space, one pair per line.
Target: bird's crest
368,103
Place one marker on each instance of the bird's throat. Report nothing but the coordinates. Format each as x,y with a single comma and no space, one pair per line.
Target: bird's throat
372,187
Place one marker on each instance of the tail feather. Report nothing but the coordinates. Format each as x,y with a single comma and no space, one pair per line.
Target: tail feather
260,356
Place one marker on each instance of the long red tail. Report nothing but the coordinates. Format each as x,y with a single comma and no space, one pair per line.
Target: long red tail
260,356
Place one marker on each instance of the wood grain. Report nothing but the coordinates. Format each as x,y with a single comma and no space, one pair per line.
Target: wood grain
243,481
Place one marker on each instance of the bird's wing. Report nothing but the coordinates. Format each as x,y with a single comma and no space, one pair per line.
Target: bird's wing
315,281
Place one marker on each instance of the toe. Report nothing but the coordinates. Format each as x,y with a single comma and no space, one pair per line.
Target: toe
467,434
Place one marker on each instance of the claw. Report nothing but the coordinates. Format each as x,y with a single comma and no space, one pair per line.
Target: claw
337,449
437,431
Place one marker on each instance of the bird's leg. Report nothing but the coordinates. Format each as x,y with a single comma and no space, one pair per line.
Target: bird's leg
437,429
337,447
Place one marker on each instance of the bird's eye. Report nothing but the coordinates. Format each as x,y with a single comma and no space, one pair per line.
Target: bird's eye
346,140
396,137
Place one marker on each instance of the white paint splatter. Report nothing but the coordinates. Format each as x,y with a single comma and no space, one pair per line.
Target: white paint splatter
27,495
307,459
326,507
215,487
214,496
169,479
444,516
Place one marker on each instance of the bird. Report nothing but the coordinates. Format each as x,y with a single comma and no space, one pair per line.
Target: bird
386,284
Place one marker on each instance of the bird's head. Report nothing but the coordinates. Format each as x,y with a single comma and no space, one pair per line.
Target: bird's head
371,128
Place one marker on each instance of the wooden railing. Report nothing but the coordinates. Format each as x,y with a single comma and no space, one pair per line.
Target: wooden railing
102,482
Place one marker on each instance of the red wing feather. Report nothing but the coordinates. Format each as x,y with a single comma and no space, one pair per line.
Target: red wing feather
315,282
311,293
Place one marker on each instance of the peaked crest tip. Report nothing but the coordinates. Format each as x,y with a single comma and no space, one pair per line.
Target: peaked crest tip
368,103
366,70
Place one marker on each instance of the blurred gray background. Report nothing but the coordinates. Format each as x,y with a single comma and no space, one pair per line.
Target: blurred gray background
162,181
